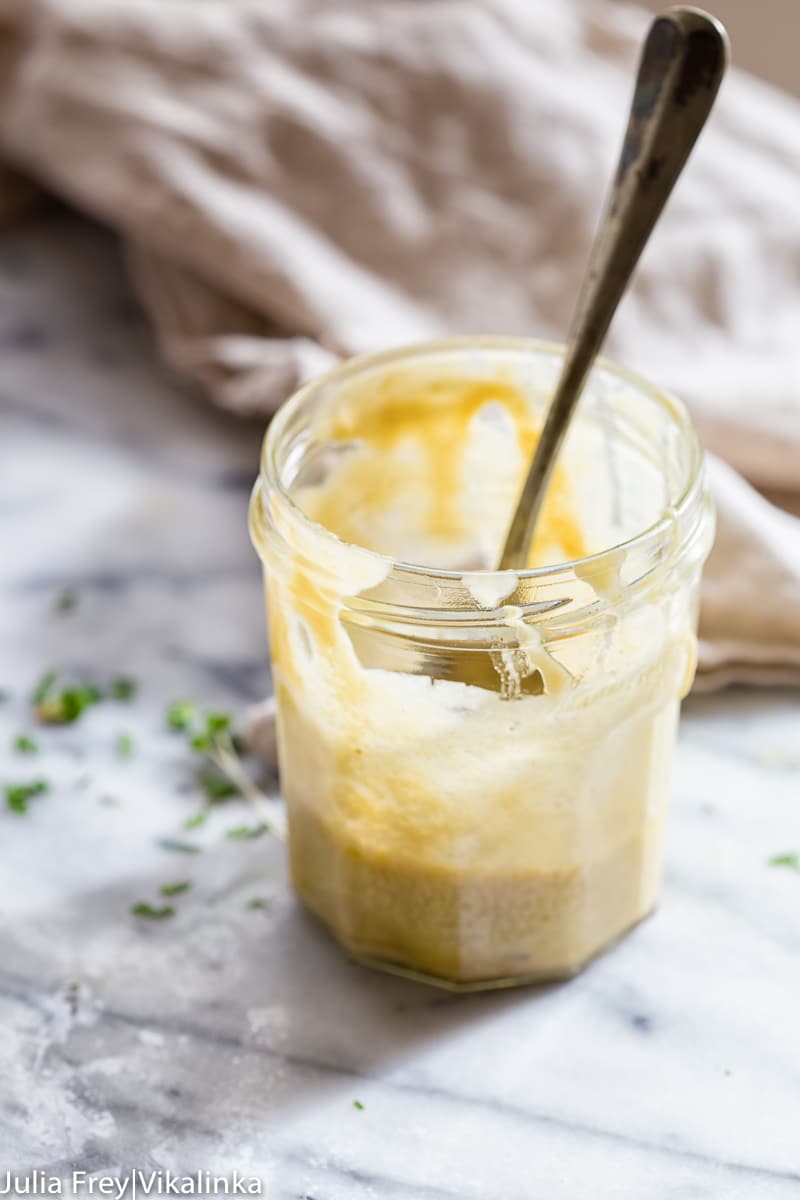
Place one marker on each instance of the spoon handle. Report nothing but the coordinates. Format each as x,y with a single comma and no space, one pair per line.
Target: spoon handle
681,68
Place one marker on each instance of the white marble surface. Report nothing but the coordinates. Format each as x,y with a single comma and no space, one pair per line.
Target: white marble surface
235,1038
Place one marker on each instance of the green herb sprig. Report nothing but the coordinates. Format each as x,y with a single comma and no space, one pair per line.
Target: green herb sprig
150,913
73,998
243,833
176,846
212,735
54,705
66,600
122,688
175,889
197,819
19,794
25,744
217,787
182,715
126,747
791,861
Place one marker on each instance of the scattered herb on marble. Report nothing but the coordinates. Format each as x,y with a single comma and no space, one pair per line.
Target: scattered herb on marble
25,744
57,705
260,902
19,794
357,1104
181,715
82,782
198,819
216,786
175,889
62,706
178,847
126,747
66,600
73,998
792,861
109,801
212,735
214,725
4,695
243,833
122,688
44,687
150,913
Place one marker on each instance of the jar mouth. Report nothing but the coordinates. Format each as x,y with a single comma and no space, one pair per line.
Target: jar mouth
675,514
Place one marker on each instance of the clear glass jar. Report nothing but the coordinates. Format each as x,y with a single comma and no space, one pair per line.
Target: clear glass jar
475,764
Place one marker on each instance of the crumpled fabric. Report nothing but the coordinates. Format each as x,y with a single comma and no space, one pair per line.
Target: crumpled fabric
308,179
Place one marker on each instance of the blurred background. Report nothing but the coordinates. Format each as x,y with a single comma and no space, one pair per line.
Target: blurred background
764,35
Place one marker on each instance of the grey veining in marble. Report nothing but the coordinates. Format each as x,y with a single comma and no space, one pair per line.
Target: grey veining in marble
238,1038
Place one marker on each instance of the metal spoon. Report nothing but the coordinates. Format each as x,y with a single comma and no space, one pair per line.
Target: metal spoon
682,65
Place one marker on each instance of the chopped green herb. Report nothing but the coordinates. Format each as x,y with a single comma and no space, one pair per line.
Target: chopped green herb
44,687
122,688
66,707
83,781
217,787
4,695
223,775
54,707
109,801
151,913
25,744
245,832
126,747
18,794
357,1104
175,889
182,714
66,600
197,820
258,902
73,998
216,722
178,847
792,861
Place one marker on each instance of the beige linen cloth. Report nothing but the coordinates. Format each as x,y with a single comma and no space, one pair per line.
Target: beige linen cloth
301,179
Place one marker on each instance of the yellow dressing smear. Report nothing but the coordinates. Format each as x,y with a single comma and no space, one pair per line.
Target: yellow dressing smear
444,827
412,438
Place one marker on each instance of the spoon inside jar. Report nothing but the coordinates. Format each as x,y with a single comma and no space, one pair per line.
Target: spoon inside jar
682,64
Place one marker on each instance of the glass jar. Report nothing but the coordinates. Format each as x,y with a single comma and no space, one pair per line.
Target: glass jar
475,763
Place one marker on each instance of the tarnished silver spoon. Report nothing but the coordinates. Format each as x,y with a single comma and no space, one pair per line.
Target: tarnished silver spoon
682,65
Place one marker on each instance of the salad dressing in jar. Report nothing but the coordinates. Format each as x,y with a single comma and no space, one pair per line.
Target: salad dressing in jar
476,763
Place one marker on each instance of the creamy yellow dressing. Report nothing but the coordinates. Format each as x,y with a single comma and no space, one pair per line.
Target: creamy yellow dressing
437,825
413,449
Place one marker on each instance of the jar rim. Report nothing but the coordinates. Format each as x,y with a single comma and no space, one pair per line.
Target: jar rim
270,472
